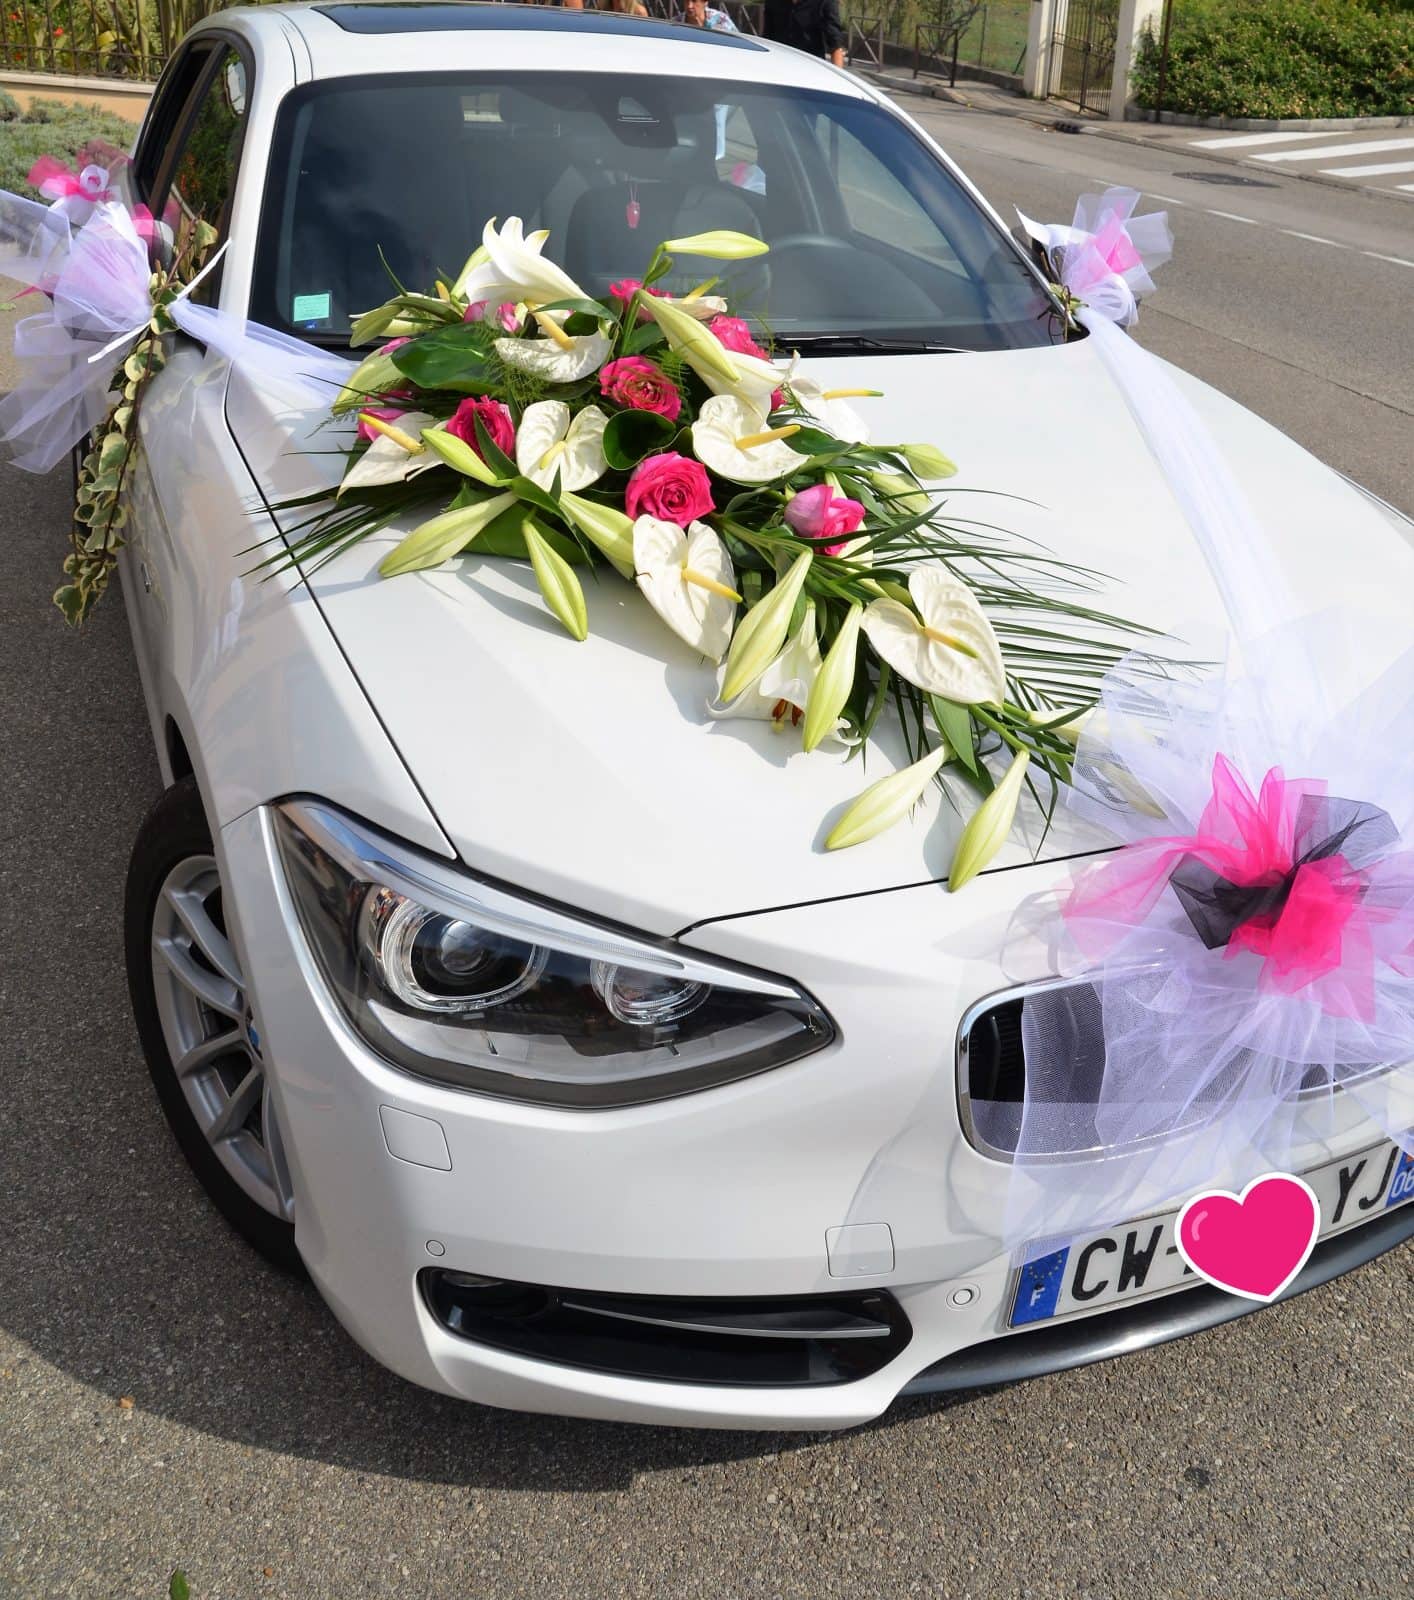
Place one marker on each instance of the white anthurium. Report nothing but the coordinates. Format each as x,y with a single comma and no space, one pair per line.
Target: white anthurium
563,359
550,441
951,651
732,437
830,407
687,577
782,692
396,453
511,267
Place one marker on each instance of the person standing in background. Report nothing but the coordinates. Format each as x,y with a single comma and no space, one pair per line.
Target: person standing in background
698,14
810,25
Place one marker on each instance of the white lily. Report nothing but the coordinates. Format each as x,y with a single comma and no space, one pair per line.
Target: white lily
780,695
830,407
563,359
952,651
722,370
396,453
687,577
509,266
549,441
732,437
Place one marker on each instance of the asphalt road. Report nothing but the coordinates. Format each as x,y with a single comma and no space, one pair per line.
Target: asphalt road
167,1401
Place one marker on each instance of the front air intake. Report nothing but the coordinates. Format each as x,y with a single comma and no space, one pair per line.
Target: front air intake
777,1342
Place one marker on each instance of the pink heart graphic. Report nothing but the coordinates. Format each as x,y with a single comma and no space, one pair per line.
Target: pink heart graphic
1252,1244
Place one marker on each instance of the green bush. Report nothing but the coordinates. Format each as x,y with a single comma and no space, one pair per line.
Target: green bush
1283,58
9,107
51,128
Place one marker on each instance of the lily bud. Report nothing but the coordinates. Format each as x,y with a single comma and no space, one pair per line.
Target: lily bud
886,802
721,244
557,582
371,325
901,493
988,826
833,682
927,462
701,349
759,637
458,453
609,531
443,537
373,375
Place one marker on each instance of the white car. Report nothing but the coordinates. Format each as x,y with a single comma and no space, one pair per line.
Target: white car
481,973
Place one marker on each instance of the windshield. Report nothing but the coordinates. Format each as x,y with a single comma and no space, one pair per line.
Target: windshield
871,236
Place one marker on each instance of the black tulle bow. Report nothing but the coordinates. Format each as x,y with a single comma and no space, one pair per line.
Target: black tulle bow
1325,827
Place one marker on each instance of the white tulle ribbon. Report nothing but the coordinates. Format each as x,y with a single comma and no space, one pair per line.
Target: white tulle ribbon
1107,255
97,279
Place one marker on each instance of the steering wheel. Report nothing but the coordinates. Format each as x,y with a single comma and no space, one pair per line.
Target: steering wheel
809,241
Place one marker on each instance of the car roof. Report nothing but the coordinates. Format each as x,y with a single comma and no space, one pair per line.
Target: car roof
347,37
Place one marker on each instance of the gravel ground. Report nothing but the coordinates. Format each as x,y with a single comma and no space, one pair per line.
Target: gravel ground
167,1400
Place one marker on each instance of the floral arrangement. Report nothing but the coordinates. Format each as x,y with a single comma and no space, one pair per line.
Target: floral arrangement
654,436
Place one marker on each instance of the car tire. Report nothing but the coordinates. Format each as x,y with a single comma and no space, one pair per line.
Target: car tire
197,1029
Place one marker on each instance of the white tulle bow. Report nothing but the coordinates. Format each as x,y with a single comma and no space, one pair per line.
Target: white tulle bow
1107,256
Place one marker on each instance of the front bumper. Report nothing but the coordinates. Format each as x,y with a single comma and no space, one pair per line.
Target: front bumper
727,1193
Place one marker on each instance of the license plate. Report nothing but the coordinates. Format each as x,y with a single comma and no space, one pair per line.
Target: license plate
1141,1258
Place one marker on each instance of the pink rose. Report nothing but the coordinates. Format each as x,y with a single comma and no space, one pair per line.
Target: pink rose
626,288
383,413
671,487
819,513
734,334
392,344
495,418
638,384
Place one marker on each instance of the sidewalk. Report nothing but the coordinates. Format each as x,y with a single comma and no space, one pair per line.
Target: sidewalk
1390,151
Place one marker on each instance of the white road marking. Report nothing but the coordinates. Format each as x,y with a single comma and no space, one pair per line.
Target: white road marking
1169,200
1399,261
1232,216
1369,172
1314,238
1365,147
1408,188
1233,142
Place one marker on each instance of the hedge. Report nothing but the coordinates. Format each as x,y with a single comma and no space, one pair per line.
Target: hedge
1283,58
51,128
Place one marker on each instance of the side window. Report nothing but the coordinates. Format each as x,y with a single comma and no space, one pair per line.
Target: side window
204,173
164,120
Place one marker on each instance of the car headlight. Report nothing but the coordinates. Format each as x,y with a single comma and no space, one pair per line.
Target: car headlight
458,980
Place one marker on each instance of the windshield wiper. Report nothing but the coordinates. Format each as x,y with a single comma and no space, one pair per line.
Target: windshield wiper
864,344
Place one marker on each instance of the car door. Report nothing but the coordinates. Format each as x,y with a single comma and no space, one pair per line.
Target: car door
185,171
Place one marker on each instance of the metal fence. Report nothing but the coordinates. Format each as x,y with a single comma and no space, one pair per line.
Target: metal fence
932,33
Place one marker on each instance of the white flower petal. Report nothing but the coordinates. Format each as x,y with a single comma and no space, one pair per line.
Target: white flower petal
385,461
584,460
948,608
722,421
514,269
661,552
542,427
548,359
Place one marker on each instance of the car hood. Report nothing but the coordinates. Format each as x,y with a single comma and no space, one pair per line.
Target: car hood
593,773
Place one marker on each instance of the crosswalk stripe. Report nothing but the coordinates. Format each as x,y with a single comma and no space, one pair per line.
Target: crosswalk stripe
1234,142
1376,171
1366,147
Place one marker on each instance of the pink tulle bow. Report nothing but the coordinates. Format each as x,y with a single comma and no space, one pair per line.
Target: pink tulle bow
1319,922
56,181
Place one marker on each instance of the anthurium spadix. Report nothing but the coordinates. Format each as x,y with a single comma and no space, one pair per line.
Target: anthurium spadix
761,634
943,643
688,579
988,826
396,454
886,802
830,406
549,442
443,537
513,268
733,438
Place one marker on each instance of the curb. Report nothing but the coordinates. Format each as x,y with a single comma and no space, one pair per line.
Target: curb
1034,112
1185,119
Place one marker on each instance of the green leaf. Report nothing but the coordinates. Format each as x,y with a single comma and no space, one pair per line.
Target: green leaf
590,308
558,584
452,358
177,1586
491,453
505,537
632,435
955,724
533,495
643,337
371,325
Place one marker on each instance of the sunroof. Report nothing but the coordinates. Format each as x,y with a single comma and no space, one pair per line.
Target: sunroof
437,16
